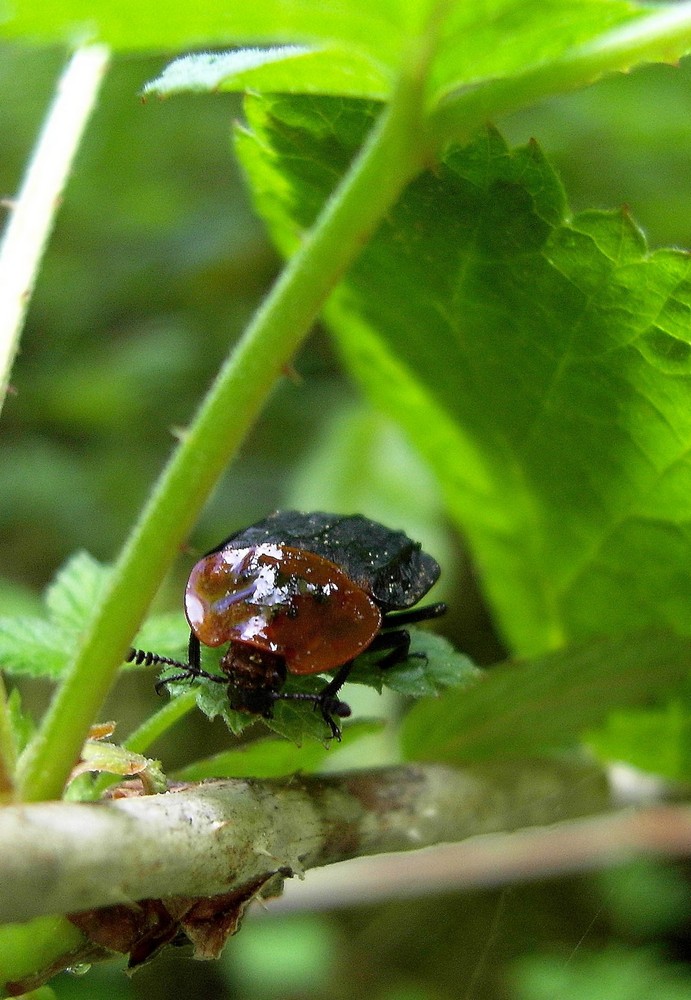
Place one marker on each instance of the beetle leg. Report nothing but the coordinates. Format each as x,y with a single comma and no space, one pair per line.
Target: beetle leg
327,703
189,674
337,681
326,700
397,640
330,708
413,615
395,643
194,652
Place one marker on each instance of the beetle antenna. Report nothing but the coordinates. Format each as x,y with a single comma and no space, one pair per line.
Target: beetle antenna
141,656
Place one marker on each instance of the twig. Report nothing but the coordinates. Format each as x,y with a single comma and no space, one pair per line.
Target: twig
216,837
497,860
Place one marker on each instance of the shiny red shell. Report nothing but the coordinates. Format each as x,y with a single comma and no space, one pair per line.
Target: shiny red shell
282,600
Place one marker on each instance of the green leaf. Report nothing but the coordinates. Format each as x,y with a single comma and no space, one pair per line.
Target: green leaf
32,646
541,363
77,586
522,709
271,758
359,48
489,58
476,45
293,720
40,646
656,741
513,37
102,757
137,24
433,666
296,721
283,69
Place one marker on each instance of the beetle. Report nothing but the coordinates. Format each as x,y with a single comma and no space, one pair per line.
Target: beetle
302,594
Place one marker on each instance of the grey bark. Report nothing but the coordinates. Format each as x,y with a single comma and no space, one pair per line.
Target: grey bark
217,836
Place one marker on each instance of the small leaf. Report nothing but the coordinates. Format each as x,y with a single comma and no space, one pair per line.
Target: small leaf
33,646
522,709
433,666
437,666
272,758
300,721
136,25
109,758
77,587
41,646
292,69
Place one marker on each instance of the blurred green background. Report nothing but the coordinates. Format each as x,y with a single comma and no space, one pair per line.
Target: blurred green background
155,266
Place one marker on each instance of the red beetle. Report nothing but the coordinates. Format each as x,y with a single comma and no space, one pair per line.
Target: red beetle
302,594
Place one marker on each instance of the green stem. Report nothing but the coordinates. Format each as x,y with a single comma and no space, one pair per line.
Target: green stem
393,155
34,210
660,36
8,753
29,948
156,725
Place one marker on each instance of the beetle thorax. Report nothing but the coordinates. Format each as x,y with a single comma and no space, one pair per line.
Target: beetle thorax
254,678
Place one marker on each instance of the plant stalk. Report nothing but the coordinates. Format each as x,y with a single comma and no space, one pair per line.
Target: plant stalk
8,754
34,210
393,155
